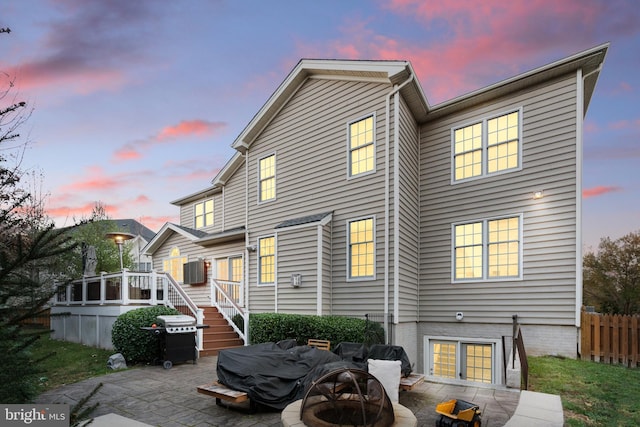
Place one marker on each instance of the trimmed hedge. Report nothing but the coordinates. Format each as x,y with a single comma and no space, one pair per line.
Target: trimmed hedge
274,327
136,345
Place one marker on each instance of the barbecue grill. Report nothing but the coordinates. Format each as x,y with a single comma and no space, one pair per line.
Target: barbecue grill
177,338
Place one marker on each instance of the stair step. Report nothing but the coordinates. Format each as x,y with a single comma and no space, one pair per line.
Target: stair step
219,336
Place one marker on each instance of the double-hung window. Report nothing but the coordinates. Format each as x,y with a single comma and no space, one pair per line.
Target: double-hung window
361,242
362,155
267,260
203,214
267,178
487,147
488,249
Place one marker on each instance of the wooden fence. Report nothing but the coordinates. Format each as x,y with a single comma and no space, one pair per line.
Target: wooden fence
611,339
42,319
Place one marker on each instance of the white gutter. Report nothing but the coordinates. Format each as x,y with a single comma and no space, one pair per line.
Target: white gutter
394,91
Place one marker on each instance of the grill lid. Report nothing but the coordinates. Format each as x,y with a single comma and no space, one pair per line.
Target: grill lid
176,320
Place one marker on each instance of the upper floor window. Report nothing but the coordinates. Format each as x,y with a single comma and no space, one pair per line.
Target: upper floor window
204,214
362,154
361,249
267,178
267,260
488,249
487,147
173,264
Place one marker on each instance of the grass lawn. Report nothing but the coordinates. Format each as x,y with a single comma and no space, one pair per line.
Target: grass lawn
69,362
593,394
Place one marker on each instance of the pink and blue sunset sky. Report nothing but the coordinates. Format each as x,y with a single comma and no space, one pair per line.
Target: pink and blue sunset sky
136,103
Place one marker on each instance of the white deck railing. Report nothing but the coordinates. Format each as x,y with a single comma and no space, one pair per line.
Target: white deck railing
228,298
130,288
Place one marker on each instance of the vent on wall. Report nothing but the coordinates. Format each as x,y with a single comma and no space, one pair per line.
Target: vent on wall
194,273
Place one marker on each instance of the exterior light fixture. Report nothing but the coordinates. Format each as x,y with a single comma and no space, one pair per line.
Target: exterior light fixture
119,238
538,195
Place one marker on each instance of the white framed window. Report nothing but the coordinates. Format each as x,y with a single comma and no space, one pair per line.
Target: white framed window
466,359
489,249
267,178
229,269
267,260
487,147
173,264
361,144
361,263
203,214
229,273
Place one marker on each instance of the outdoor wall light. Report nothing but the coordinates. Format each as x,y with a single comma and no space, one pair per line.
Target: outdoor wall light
538,195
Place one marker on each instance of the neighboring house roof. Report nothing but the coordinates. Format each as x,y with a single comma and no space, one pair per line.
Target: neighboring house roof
198,237
305,220
134,227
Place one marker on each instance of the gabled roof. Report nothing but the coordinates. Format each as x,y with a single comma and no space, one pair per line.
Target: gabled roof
590,61
391,72
398,72
197,237
168,230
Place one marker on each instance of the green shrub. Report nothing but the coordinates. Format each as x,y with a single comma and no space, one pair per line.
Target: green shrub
274,327
135,344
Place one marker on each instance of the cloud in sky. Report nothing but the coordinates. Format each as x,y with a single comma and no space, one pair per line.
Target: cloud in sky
85,51
599,191
187,128
469,44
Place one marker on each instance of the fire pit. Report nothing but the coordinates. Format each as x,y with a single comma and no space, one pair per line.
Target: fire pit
335,390
347,397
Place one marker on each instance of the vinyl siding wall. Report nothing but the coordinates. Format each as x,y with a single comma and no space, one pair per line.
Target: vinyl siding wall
309,137
297,254
235,200
547,293
408,216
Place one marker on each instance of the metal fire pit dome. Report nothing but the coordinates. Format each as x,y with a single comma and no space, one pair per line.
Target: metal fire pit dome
347,397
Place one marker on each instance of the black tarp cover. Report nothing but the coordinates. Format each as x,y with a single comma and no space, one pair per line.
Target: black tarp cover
273,375
391,352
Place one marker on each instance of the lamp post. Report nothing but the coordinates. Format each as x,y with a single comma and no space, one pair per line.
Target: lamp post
119,238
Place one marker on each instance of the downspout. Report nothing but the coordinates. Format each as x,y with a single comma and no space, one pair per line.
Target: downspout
579,155
387,196
320,279
245,264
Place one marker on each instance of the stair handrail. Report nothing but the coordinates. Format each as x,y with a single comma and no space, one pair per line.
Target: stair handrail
229,309
198,313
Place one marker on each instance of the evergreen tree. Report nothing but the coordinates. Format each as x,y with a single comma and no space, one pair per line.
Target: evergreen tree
29,249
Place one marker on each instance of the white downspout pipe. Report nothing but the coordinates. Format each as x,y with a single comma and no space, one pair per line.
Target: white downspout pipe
387,196
579,154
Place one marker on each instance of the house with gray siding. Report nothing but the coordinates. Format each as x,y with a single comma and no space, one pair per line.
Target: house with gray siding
349,194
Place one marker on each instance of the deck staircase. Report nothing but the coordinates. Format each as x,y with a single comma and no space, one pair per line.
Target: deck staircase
219,335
